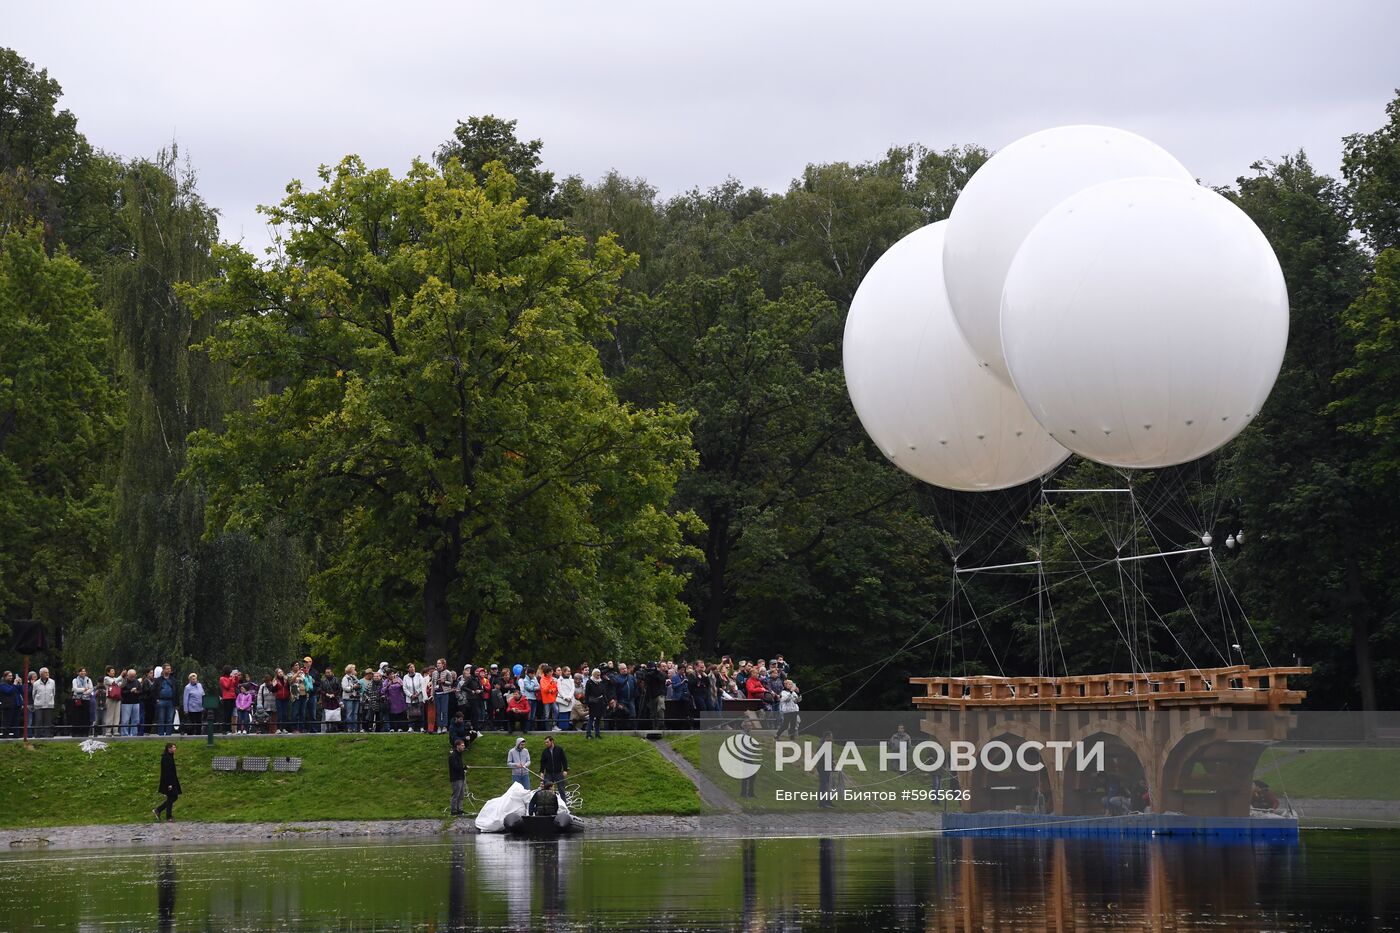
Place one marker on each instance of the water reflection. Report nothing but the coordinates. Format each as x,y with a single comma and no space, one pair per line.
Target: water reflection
165,892
930,883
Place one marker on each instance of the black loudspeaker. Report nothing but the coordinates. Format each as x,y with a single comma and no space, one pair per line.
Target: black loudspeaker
30,637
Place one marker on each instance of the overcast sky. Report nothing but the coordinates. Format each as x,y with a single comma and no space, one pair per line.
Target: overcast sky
686,94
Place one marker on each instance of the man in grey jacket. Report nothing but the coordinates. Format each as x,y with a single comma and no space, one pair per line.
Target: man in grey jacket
519,761
45,691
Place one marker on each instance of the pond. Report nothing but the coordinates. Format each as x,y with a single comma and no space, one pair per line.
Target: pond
1329,880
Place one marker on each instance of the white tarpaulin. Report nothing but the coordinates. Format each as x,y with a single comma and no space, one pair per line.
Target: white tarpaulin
492,816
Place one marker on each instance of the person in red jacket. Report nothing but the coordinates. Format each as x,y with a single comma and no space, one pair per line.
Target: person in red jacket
517,711
228,692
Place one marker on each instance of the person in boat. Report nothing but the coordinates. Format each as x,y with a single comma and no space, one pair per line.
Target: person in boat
1115,799
544,802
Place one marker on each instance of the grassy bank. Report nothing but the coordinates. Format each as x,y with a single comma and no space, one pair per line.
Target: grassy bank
1302,774
1333,773
343,777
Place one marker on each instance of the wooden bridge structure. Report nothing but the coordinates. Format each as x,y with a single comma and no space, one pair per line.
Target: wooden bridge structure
1193,737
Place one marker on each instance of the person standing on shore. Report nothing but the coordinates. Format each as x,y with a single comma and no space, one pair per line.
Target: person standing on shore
192,707
554,764
112,702
415,694
350,699
82,693
265,711
11,704
596,698
789,706
457,773
519,761
444,681
169,785
44,692
228,693
296,691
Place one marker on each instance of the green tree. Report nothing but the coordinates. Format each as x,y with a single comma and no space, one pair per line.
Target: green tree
800,521
1371,167
479,141
442,433
58,414
173,593
1372,380
49,173
1313,521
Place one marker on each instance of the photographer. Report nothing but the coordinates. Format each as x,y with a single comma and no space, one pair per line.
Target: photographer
461,730
656,694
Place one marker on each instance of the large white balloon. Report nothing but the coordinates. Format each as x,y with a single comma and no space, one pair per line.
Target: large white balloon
1144,321
917,389
1009,194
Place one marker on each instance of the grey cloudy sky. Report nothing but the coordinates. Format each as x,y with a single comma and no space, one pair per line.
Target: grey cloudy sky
687,94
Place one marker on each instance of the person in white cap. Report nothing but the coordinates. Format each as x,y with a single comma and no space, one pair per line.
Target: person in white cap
519,761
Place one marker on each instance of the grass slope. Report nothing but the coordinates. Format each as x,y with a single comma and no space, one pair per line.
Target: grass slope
343,777
1334,773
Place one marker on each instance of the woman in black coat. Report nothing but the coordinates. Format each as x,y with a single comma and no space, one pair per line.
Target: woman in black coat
595,694
169,784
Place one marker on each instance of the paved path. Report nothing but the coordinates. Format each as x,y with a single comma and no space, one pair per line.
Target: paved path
710,794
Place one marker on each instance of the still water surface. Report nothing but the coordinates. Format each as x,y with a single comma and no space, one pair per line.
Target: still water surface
1328,881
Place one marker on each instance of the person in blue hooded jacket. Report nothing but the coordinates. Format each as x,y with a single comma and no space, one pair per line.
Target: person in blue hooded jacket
11,706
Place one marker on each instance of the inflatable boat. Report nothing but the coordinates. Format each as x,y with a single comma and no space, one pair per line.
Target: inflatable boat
509,813
560,824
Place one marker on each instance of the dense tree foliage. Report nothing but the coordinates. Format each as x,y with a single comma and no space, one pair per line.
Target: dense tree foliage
173,590
58,414
478,409
446,437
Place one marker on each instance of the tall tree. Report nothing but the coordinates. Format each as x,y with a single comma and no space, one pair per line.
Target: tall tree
58,413
479,141
1307,569
49,173
1371,167
443,433
800,520
173,592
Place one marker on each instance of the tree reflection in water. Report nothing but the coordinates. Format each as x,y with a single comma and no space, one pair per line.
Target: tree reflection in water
1329,880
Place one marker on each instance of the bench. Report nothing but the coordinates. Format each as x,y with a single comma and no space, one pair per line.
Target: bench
255,764
225,763
286,765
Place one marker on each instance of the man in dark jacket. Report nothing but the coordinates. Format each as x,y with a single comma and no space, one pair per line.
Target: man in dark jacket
554,764
169,785
457,774
656,695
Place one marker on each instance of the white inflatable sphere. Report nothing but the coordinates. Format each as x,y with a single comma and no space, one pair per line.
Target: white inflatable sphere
1009,194
1144,321
918,391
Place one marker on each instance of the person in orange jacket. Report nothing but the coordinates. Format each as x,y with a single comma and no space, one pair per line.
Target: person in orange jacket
549,693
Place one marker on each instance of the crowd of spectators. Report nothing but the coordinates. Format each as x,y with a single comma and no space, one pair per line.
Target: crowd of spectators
310,697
